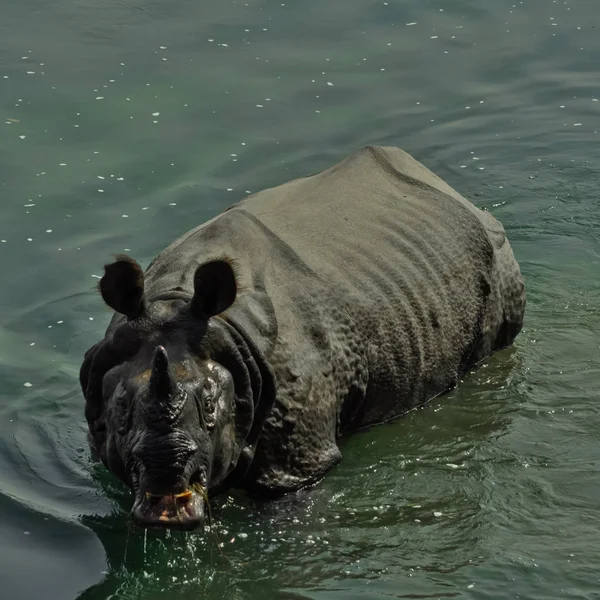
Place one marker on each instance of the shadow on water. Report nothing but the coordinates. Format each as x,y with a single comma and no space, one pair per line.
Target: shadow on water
408,499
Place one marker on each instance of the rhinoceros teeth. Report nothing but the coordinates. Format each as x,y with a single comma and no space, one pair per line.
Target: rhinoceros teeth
184,495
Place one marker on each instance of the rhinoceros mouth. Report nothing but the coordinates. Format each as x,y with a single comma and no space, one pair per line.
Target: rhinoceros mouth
184,510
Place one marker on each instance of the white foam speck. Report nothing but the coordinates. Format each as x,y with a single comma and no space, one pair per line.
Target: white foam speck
100,177
22,137
62,164
27,384
48,230
91,318
32,344
101,191
155,114
437,513
99,97
124,216
330,84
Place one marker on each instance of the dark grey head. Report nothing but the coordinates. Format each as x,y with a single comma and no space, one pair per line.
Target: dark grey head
160,396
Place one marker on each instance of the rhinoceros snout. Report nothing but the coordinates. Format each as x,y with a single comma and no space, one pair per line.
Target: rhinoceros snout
182,511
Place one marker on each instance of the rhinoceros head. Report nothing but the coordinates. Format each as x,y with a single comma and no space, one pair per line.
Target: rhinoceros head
163,412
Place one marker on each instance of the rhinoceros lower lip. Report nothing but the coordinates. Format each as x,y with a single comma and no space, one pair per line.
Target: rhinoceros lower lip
183,510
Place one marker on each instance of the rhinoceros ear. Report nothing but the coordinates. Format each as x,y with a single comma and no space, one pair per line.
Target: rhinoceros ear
122,286
214,288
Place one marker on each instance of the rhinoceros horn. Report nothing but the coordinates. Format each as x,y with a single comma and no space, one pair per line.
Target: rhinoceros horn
162,385
164,404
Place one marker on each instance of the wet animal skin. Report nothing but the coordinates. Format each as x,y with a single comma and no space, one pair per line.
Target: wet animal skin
304,312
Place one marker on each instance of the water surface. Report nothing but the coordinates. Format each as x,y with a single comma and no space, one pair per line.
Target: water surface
124,124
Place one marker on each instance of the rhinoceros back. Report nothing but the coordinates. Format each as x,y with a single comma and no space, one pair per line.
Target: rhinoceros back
429,280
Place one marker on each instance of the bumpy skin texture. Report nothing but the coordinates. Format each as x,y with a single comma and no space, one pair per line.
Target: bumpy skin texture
367,289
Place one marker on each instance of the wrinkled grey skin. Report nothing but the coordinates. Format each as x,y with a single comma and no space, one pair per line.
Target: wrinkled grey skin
362,292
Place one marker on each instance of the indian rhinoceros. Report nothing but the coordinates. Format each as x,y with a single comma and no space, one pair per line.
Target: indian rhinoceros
304,312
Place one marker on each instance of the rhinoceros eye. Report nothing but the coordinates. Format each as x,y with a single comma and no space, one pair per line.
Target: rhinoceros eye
208,401
122,411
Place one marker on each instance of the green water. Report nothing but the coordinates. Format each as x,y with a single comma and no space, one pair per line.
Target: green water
124,124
